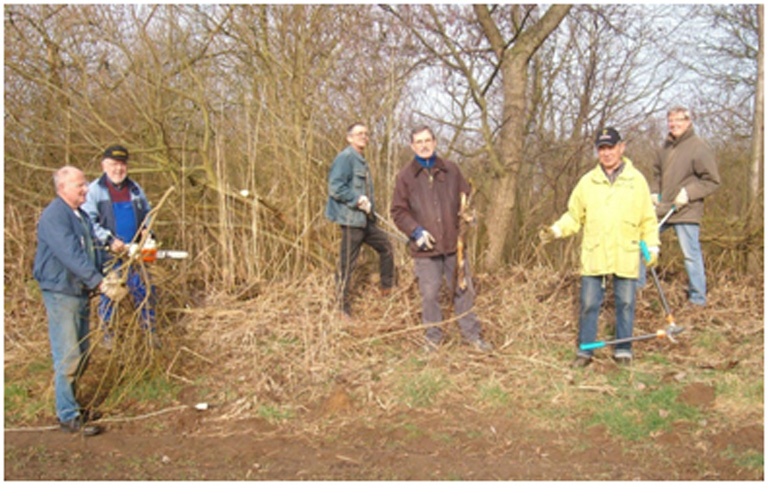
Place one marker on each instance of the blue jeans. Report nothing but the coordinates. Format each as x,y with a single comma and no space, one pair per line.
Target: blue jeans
688,237
430,273
138,291
592,294
68,331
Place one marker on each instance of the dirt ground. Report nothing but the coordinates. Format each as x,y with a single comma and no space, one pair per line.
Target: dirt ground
340,441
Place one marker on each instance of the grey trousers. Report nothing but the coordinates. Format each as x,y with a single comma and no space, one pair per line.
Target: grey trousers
430,273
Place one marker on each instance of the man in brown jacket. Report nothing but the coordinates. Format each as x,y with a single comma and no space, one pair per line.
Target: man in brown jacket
426,206
684,173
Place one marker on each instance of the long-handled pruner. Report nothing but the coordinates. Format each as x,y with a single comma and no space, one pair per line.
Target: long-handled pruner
657,283
394,232
668,332
667,215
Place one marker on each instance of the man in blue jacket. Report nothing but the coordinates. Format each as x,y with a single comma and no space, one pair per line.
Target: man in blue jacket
66,269
118,208
351,205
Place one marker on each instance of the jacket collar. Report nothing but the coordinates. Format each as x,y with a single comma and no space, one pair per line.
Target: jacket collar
358,156
416,167
128,182
673,142
598,174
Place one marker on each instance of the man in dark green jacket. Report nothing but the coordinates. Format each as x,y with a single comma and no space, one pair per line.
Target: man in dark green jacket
684,173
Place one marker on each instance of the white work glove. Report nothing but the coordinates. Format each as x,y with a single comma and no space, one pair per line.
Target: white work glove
653,253
549,234
682,198
364,204
423,238
656,200
113,288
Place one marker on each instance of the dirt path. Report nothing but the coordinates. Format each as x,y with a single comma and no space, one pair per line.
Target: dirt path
442,444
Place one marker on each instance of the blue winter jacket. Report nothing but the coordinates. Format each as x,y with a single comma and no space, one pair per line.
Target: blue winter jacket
61,261
349,178
98,206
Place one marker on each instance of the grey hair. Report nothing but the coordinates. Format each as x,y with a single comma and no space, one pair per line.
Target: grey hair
60,174
421,128
680,109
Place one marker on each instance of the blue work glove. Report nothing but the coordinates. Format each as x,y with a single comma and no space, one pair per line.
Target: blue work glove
423,238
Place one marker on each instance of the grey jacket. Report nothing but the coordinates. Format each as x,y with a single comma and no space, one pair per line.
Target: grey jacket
687,162
62,263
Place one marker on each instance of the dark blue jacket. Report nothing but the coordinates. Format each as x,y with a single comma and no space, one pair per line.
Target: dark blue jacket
61,261
98,206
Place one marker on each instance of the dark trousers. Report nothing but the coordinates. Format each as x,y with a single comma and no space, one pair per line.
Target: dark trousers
352,239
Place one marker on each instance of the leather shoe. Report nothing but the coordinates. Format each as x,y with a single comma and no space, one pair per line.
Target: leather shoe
481,345
75,425
90,415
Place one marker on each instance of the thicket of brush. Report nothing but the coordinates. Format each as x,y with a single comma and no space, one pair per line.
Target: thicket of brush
260,103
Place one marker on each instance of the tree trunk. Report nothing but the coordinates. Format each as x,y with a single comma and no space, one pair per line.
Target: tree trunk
758,120
514,85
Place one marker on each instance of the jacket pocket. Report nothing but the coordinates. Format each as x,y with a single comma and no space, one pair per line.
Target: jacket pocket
592,256
358,182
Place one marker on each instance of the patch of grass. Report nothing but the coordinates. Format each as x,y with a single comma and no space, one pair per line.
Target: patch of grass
635,414
155,390
752,460
710,340
422,389
24,386
274,414
494,395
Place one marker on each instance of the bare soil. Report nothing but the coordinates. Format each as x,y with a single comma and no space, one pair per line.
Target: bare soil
420,445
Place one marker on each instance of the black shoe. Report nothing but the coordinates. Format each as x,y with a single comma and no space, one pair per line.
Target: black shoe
88,415
75,425
581,361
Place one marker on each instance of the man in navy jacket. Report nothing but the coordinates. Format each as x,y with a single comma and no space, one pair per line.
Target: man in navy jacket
66,269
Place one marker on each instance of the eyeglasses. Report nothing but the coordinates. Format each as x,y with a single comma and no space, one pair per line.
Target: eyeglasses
362,134
423,142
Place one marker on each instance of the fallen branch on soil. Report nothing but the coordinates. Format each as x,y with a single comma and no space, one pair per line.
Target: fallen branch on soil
108,420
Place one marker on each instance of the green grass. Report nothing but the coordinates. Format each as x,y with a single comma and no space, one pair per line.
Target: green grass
422,389
493,394
24,390
635,414
752,460
274,414
155,390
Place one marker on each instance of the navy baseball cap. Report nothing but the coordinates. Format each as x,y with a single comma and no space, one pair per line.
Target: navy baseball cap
116,152
607,136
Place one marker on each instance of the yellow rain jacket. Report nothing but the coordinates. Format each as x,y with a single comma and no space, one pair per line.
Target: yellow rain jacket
616,217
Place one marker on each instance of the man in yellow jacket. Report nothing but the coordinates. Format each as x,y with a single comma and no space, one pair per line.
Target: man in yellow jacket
614,206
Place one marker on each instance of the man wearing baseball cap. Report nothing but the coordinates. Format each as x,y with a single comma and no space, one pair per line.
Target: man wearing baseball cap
613,205
118,208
